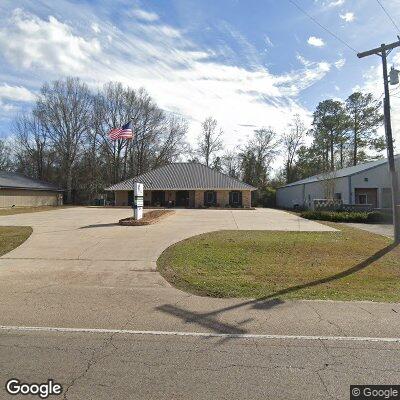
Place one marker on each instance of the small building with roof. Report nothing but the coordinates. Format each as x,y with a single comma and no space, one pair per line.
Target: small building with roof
190,185
21,191
366,184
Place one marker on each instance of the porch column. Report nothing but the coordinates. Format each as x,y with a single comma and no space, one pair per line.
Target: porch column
246,198
199,198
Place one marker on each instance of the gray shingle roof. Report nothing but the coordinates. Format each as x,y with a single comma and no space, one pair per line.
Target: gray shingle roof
341,173
13,180
183,176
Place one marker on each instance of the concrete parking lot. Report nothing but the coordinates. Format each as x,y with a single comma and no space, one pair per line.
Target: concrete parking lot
123,332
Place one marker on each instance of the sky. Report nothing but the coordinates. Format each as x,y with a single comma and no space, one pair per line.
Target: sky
248,63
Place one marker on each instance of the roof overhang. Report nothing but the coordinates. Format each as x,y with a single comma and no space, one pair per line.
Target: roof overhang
177,189
29,188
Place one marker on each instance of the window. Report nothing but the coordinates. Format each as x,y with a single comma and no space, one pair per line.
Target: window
235,198
362,199
365,179
210,197
337,196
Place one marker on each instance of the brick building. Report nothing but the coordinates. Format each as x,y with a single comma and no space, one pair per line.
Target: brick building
191,185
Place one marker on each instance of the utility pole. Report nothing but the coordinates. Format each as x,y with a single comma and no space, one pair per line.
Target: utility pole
383,51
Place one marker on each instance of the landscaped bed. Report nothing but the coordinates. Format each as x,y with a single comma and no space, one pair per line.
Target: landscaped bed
12,237
346,265
150,217
365,217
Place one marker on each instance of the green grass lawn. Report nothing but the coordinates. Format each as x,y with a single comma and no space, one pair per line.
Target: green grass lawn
13,236
23,210
348,265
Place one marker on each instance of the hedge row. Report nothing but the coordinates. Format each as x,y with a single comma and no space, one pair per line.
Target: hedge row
366,217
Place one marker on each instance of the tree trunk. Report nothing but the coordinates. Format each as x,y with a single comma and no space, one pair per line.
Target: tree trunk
355,148
288,177
341,155
69,185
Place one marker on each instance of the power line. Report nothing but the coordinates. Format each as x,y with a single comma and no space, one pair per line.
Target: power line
322,26
389,16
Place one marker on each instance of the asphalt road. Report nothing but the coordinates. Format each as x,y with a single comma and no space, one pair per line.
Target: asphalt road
125,333
117,366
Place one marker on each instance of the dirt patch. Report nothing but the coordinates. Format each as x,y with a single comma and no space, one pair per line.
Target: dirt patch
150,217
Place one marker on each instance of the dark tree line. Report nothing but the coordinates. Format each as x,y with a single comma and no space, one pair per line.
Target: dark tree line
64,140
342,133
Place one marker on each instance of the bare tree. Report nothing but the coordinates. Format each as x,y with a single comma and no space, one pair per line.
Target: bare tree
110,112
292,141
65,138
158,138
231,164
33,154
5,156
257,156
210,140
171,143
64,108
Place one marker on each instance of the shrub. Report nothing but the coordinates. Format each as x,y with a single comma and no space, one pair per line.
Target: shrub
265,197
345,216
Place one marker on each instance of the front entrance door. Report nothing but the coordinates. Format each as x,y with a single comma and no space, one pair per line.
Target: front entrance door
182,198
158,198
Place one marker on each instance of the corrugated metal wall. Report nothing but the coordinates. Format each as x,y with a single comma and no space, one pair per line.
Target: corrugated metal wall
19,198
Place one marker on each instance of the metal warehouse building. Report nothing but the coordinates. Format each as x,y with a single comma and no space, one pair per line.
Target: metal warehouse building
19,190
364,184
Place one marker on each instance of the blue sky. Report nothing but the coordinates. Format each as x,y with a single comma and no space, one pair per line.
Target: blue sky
248,63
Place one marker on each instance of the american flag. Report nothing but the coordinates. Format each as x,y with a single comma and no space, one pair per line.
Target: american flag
121,133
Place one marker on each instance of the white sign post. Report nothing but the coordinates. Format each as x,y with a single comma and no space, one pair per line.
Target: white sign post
137,200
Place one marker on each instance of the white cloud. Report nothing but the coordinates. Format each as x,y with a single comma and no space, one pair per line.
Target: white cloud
315,41
268,41
7,109
336,3
181,76
339,64
348,17
31,42
144,15
96,28
303,60
15,93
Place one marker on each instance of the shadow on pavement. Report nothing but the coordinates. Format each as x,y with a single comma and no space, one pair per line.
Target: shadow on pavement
100,225
208,319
